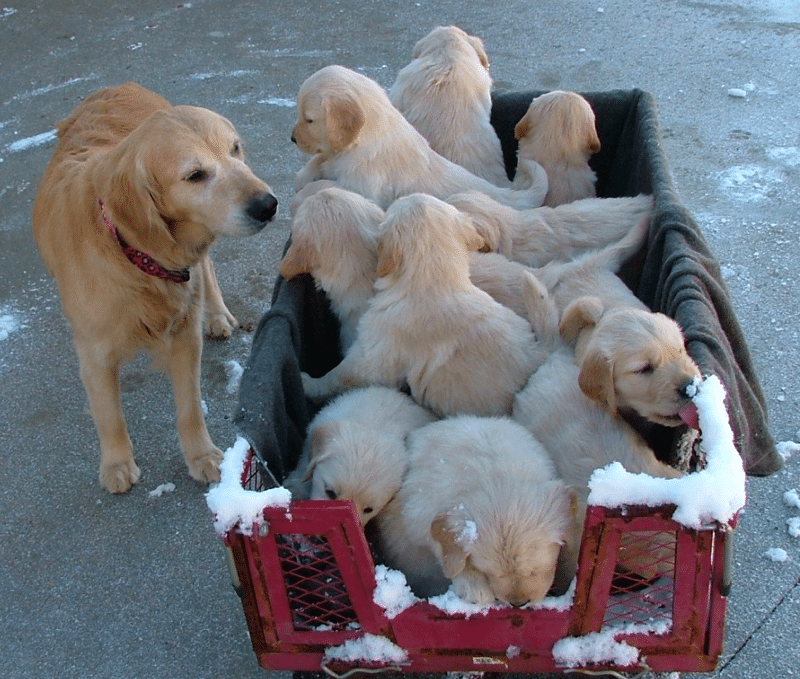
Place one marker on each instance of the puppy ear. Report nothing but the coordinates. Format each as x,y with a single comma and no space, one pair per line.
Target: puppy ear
454,558
593,144
317,444
567,564
480,50
472,239
523,127
344,118
390,255
581,313
297,260
596,378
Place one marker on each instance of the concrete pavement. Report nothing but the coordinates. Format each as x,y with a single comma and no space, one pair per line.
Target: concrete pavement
95,585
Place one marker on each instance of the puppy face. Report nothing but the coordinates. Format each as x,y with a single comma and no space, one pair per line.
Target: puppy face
564,118
180,179
348,461
509,555
636,360
330,113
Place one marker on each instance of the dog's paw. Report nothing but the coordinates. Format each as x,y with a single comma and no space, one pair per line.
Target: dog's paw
219,325
205,468
119,477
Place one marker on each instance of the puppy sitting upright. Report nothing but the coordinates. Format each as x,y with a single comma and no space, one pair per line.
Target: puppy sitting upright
134,196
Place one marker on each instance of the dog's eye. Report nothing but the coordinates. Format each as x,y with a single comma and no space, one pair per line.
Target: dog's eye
309,120
197,176
646,369
331,494
368,510
237,149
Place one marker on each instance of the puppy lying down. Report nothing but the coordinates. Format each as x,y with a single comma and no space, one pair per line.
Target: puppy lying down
356,449
481,508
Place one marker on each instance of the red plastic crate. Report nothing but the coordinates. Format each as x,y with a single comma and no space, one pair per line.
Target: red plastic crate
306,579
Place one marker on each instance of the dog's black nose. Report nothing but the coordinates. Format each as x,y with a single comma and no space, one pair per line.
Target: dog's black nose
687,389
262,209
294,141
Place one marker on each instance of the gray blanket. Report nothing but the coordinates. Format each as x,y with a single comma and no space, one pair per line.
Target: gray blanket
676,274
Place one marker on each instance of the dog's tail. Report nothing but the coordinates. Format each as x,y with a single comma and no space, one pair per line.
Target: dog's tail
541,311
529,188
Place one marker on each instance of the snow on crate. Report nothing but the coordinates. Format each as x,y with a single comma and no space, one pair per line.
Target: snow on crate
233,505
715,493
392,592
369,648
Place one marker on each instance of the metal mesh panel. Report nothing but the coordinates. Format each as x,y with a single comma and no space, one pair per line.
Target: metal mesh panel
644,580
318,598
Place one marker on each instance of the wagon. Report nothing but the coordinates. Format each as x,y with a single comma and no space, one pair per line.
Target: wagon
314,595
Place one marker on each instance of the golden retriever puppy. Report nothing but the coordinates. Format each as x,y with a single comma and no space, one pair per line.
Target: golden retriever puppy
356,449
355,136
580,435
481,507
136,192
428,327
445,93
334,238
537,236
558,132
632,360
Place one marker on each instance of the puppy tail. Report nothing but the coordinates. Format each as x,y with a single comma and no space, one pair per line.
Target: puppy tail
530,186
541,311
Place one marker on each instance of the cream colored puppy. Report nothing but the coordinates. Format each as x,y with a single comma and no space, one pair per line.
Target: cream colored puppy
480,507
445,93
537,236
580,434
632,360
334,238
428,327
558,132
356,449
357,138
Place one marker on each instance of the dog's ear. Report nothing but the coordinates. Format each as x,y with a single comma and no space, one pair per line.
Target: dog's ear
593,144
390,254
317,444
581,313
299,259
454,558
480,50
344,118
523,127
596,377
472,239
130,193
567,564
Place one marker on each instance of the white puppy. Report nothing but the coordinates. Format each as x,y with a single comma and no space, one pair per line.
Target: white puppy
480,506
334,238
445,93
558,131
537,236
428,327
580,434
357,138
356,449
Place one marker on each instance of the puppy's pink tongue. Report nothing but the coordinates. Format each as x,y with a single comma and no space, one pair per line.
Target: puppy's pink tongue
689,415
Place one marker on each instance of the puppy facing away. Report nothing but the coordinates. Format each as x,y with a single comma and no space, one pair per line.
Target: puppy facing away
579,434
356,137
428,327
356,449
136,192
558,131
334,238
445,93
481,507
632,360
537,236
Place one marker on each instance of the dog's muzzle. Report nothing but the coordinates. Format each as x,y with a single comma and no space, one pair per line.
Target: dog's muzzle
262,209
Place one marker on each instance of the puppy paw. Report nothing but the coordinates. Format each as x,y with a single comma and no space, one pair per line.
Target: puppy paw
219,325
205,468
119,477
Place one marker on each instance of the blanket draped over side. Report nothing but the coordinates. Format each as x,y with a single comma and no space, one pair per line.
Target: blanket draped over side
676,274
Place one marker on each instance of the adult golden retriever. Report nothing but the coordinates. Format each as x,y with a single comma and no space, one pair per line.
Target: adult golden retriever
445,93
136,192
558,131
356,138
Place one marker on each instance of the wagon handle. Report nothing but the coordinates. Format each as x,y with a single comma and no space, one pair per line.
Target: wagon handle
373,670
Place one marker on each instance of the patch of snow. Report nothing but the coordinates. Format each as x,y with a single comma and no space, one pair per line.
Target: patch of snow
31,142
787,448
277,101
158,491
233,505
777,554
794,526
370,648
9,322
749,183
392,592
715,493
234,371
791,498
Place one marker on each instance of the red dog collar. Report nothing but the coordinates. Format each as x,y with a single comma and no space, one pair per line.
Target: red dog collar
141,260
